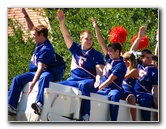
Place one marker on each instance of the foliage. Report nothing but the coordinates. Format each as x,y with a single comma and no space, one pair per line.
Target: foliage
19,51
78,19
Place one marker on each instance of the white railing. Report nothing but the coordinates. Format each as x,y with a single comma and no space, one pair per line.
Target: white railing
107,101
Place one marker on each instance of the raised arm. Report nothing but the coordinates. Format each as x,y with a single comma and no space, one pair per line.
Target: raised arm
68,39
157,43
141,34
27,18
99,37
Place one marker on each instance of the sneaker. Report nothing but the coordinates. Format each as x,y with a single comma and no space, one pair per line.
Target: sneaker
37,108
11,110
85,117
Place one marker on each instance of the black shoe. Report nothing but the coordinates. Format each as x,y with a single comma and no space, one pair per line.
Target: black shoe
11,111
37,109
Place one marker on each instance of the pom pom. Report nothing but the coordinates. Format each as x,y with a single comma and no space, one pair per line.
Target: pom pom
144,43
118,34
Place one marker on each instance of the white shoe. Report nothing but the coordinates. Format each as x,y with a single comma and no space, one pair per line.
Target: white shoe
85,117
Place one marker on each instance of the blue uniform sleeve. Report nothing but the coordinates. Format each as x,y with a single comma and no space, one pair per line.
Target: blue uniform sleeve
73,49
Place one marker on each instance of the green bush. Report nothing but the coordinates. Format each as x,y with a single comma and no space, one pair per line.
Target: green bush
78,19
19,51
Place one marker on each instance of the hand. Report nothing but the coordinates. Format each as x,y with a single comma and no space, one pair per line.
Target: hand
94,22
24,11
30,88
60,15
97,83
141,32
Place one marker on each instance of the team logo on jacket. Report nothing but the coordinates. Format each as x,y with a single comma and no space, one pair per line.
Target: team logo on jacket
81,60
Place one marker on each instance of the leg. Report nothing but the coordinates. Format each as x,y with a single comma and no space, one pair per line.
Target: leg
115,96
16,87
131,100
155,99
156,113
43,82
145,100
69,82
86,86
104,91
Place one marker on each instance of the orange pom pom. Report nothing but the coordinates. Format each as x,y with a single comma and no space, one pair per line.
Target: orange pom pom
118,34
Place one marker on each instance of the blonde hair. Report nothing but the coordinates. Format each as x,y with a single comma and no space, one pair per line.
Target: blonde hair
83,32
131,57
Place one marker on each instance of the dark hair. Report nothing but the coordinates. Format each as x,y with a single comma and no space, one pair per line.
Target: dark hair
145,51
116,46
41,29
155,58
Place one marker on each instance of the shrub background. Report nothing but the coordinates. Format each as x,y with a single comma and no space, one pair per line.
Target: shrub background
78,19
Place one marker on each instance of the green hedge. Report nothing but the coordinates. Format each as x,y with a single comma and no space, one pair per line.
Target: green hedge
78,19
